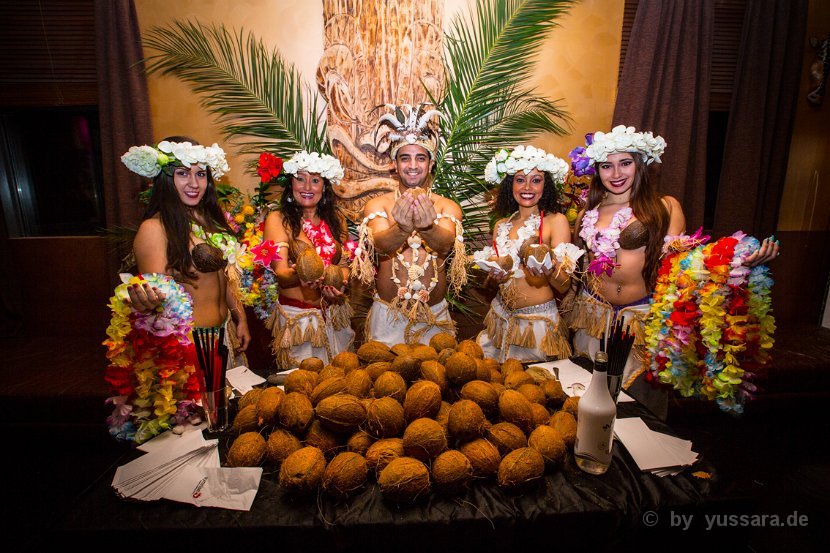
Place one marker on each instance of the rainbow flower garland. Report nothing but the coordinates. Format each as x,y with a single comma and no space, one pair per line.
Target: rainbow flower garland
709,328
152,362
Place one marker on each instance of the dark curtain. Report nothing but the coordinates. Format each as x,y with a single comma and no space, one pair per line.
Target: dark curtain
761,117
664,88
124,109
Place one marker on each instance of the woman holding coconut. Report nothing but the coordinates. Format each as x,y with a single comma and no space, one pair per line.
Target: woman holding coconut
529,257
313,316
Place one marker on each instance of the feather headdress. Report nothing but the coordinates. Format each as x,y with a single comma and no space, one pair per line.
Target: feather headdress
408,125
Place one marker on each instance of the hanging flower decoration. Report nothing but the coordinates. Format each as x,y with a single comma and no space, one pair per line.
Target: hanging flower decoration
265,253
152,368
710,329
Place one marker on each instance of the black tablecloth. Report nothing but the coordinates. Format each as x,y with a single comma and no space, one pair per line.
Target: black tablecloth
566,508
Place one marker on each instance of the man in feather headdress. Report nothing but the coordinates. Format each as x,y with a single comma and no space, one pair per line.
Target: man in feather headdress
409,234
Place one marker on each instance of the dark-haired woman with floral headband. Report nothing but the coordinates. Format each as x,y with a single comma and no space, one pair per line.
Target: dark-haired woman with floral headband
312,319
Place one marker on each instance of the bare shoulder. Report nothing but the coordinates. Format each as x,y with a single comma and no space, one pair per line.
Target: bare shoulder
556,219
274,218
379,203
151,230
446,206
671,203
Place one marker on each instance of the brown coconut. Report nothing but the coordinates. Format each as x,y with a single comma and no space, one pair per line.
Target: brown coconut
554,393
533,393
541,415
533,249
322,438
444,354
443,340
390,384
483,394
382,452
313,364
424,439
549,442
309,265
346,360
385,418
247,450
423,352
482,371
506,436
302,471
471,348
483,456
496,377
515,408
404,480
515,379
443,417
521,468
498,387
342,413
374,351
407,366
564,423
327,387
511,365
296,413
461,368
401,349
345,474
451,472
301,381
333,276
359,383
505,262
281,443
377,369
268,405
423,399
466,420
359,442
246,420
331,371
571,405
250,398
434,371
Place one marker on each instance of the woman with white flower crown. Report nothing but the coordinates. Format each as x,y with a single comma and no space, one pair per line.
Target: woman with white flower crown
184,234
311,319
523,322
624,226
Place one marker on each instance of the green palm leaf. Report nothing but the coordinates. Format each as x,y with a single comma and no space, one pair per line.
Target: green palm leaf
489,55
253,92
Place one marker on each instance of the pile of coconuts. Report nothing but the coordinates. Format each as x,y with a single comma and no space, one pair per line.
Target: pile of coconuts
415,418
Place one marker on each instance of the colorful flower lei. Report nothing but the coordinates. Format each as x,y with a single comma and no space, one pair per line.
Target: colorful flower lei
152,366
604,243
710,328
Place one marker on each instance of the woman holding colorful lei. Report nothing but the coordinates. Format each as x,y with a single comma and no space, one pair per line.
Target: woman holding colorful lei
310,319
523,322
624,227
186,259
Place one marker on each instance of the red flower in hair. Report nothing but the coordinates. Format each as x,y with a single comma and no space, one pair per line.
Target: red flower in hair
269,167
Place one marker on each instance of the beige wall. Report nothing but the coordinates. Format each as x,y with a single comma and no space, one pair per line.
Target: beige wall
578,64
805,204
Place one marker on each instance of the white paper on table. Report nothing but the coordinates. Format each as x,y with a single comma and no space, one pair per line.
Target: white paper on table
242,379
574,379
164,438
228,488
653,451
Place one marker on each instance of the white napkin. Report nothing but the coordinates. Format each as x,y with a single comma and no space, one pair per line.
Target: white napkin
654,451
243,379
229,488
574,379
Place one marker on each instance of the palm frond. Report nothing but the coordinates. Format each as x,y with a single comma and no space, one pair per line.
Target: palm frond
258,98
489,56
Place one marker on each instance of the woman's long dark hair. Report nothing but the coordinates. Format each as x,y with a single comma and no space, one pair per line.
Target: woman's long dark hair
648,208
176,217
506,204
326,209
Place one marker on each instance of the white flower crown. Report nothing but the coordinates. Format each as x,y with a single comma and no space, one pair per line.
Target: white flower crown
626,139
149,161
324,165
525,158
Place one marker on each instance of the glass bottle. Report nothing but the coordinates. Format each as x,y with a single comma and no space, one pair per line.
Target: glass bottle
595,421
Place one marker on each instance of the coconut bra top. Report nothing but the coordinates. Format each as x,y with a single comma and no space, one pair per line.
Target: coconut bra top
207,258
633,236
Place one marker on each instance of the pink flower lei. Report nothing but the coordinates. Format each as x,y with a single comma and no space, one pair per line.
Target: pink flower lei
604,243
322,240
